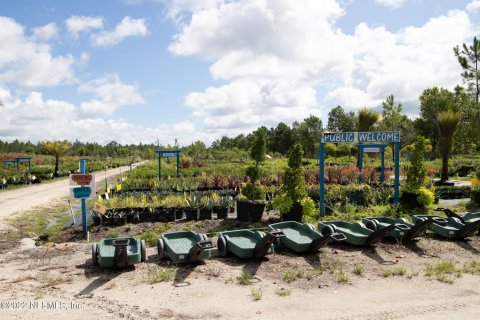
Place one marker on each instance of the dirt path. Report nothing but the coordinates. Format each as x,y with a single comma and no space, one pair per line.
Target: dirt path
26,198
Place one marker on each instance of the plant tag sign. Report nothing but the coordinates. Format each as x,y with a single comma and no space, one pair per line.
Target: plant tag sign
81,179
81,192
98,208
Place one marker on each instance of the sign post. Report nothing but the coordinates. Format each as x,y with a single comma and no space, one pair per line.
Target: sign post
360,137
82,186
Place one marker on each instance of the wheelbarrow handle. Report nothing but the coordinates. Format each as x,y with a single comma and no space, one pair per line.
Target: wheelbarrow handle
439,220
205,245
401,226
338,236
277,233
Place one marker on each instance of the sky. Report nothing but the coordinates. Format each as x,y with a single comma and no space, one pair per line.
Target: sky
158,70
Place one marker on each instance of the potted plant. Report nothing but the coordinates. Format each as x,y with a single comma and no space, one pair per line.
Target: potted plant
251,203
222,209
294,201
206,207
169,204
191,210
475,193
415,195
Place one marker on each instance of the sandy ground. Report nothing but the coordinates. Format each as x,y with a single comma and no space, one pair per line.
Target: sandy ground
58,281
22,199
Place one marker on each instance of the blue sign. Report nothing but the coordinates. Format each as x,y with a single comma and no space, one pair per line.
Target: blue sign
360,137
81,192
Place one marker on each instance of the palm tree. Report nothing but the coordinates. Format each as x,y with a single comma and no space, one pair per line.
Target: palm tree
447,123
56,149
367,119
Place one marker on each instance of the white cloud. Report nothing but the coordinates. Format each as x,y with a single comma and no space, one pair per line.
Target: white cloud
83,24
110,94
128,27
35,119
273,56
46,32
473,6
393,4
29,63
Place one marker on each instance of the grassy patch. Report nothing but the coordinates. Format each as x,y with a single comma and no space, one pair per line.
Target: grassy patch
160,275
399,271
38,293
298,273
358,270
342,276
472,267
282,292
445,271
245,278
256,294
385,273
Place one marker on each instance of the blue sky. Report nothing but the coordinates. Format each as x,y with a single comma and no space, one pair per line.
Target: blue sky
141,70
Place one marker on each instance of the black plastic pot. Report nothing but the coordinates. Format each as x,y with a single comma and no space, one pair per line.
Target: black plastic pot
144,215
191,214
120,221
205,213
243,211
221,212
170,214
475,197
179,213
97,219
249,211
295,213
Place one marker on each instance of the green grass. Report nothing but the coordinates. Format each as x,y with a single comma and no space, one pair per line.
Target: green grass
358,270
385,273
256,294
298,273
245,278
399,271
342,276
38,293
282,292
160,275
445,271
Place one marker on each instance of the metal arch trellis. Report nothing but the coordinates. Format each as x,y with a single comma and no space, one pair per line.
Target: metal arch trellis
168,154
365,140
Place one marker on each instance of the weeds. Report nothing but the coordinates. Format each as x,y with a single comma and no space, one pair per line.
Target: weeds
342,276
256,294
38,293
282,292
245,278
444,271
160,275
358,269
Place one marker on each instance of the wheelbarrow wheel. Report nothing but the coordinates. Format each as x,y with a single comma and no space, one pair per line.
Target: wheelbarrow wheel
143,250
328,230
94,254
161,249
372,225
222,246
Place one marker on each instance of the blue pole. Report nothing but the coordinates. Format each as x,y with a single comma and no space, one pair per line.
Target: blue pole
83,169
360,163
322,177
397,172
382,171
159,166
178,164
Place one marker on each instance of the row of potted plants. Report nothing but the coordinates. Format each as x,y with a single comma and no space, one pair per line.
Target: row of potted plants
170,208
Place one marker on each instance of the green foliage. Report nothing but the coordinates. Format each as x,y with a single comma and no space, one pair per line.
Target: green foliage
340,121
446,122
252,192
425,197
283,203
254,173
259,149
417,171
367,119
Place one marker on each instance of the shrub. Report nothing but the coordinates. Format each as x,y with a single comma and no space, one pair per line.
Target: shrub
425,197
417,171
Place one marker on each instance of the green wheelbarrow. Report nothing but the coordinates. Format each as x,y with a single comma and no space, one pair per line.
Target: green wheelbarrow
464,218
356,233
118,252
302,237
247,244
404,230
451,227
184,246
